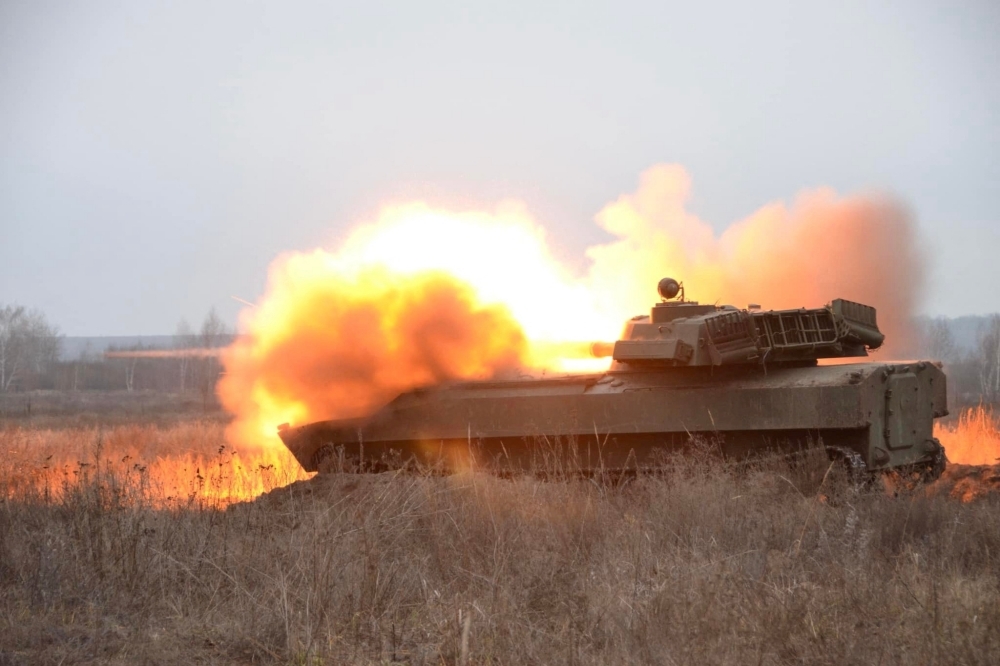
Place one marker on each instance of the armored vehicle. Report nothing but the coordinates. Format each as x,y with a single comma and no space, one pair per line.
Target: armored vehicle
744,380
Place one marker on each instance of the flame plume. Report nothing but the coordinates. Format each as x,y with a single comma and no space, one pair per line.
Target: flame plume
326,343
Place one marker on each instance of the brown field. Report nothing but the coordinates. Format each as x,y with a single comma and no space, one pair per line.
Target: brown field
123,540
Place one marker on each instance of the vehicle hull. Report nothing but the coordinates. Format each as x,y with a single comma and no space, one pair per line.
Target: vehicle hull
882,412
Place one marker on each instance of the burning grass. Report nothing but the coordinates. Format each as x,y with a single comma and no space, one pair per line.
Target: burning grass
703,565
181,465
974,439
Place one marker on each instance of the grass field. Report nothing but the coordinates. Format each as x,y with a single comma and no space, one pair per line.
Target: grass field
127,543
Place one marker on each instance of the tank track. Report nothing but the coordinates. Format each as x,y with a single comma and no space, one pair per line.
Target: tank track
857,470
329,459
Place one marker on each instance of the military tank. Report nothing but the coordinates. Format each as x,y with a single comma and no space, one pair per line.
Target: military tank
743,380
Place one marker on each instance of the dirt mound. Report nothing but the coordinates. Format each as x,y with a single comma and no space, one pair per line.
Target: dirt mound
328,488
967,482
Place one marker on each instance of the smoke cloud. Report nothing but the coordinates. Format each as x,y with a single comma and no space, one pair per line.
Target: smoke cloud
862,248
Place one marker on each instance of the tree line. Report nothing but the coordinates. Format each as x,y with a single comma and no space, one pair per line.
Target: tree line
973,371
29,346
30,359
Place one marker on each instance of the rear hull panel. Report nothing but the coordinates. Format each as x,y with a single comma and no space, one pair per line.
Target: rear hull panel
629,419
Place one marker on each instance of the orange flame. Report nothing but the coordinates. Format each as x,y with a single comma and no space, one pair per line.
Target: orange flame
974,439
972,444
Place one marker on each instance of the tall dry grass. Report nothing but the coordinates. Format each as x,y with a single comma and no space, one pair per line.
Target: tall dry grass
706,564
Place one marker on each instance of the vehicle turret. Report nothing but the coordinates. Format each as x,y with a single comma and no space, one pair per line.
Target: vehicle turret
679,332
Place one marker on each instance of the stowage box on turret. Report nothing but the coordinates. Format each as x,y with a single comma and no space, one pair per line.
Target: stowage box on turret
746,380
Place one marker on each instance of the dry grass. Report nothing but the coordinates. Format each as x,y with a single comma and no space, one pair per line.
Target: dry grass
57,410
704,565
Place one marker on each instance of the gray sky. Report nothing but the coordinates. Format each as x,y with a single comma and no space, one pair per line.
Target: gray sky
154,157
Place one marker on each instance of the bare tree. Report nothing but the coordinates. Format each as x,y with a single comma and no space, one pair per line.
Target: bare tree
130,364
939,342
989,358
10,354
28,344
85,357
126,358
214,334
184,338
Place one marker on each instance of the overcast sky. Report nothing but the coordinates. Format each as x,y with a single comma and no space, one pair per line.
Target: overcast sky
154,157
